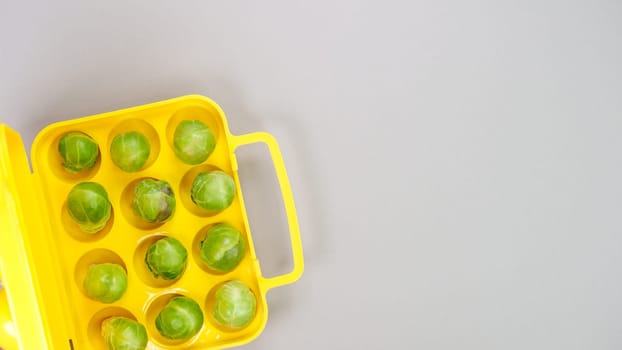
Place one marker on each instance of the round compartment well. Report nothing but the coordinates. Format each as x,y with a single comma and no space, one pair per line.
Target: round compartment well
196,249
72,228
208,116
153,309
55,162
94,257
210,302
142,127
140,266
94,325
185,190
127,197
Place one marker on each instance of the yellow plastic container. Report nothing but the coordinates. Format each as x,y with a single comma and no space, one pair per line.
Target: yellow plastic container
44,256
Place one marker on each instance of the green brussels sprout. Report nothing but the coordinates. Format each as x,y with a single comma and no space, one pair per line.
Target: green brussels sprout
121,333
213,190
78,150
223,248
166,258
154,200
181,318
193,141
235,305
105,282
89,207
130,151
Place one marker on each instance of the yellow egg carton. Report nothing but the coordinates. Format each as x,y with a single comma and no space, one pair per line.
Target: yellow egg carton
44,256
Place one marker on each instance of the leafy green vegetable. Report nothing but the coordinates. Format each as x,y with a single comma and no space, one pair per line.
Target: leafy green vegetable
223,248
235,305
154,200
105,282
89,207
121,333
181,318
78,151
166,258
130,151
193,141
213,190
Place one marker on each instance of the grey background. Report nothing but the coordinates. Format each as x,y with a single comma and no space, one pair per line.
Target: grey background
456,164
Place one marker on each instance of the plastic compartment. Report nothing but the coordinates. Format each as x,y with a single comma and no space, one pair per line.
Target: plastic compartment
124,240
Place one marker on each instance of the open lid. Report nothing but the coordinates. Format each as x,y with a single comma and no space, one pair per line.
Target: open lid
18,275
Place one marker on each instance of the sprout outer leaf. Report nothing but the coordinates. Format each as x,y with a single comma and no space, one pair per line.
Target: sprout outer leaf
181,318
121,333
235,305
213,190
166,258
78,150
223,248
89,207
130,151
193,141
154,200
106,282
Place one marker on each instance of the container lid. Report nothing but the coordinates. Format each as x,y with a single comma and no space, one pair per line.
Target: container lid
16,190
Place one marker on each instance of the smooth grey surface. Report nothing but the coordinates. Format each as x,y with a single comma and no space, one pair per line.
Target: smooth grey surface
456,164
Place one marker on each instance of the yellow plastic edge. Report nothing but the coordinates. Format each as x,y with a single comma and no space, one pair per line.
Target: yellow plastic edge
137,108
7,329
15,268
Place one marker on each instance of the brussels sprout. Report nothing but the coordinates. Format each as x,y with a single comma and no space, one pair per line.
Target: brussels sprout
223,248
105,282
121,333
154,200
166,258
130,151
89,207
235,305
78,150
213,190
193,141
181,318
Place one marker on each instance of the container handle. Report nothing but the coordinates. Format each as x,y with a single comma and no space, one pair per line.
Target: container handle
290,209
